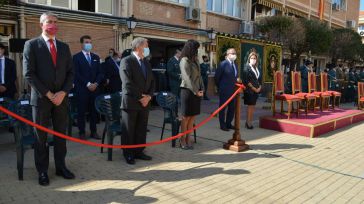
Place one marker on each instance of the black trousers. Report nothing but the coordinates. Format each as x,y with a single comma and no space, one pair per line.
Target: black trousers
42,115
134,130
86,103
226,117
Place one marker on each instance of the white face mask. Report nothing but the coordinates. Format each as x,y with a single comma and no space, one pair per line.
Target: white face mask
233,57
253,62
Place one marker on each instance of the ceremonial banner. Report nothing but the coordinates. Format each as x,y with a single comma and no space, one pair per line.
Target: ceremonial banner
247,48
224,43
273,60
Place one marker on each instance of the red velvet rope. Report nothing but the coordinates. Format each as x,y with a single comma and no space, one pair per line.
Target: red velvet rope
85,142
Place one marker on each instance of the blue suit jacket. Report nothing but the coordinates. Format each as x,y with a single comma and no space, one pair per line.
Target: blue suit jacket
10,79
85,73
225,78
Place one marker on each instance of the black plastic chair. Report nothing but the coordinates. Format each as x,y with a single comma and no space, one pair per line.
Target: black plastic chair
24,134
109,106
4,119
168,102
72,111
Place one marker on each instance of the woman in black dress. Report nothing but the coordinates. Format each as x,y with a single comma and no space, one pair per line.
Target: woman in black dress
191,89
251,80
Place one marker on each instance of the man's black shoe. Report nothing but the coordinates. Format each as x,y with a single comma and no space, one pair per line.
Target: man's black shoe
95,136
130,160
43,179
143,156
232,127
224,129
65,173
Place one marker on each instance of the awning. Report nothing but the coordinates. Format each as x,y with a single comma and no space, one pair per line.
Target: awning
281,8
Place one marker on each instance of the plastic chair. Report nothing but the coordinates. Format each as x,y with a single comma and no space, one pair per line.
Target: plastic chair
4,119
72,104
109,106
24,133
168,102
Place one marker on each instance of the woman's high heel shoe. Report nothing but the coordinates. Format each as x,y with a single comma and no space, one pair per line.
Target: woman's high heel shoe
248,127
184,147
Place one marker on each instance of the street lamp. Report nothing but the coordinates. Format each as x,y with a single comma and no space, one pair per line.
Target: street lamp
211,34
131,23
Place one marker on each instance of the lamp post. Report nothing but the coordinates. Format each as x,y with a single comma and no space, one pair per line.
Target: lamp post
211,34
131,23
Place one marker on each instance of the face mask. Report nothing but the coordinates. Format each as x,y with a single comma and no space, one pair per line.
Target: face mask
253,61
111,54
51,29
232,57
87,47
146,52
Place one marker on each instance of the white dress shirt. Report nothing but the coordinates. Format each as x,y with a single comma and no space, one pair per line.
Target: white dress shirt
46,39
3,70
136,55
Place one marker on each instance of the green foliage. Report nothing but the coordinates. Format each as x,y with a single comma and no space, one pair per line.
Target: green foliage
319,36
347,45
3,2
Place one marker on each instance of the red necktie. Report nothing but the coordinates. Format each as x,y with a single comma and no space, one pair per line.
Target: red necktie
53,51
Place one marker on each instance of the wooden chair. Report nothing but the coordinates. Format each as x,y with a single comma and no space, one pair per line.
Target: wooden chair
325,88
297,91
361,95
323,96
278,91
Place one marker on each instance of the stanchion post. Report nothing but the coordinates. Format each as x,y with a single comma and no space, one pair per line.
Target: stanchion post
236,143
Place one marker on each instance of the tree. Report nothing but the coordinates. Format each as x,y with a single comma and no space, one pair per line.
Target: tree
298,35
347,46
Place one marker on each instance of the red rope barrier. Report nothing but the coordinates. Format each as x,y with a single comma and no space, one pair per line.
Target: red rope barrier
89,143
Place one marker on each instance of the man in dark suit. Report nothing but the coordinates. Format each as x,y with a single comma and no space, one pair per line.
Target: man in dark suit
225,78
7,75
112,73
48,69
88,77
304,75
137,87
174,74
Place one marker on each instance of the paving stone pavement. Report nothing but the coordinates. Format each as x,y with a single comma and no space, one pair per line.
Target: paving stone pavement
279,168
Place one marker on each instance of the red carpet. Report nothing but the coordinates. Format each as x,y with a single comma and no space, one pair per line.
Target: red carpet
314,124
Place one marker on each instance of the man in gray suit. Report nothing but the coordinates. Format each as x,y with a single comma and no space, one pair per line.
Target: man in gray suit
48,69
137,91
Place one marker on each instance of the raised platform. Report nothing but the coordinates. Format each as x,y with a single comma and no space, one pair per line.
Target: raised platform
314,124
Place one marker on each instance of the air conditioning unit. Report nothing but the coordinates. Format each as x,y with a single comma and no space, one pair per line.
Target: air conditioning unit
336,6
193,14
246,27
351,24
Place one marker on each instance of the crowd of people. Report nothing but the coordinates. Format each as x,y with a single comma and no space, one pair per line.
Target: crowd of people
52,73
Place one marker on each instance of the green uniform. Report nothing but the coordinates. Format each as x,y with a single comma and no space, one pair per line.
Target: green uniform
174,76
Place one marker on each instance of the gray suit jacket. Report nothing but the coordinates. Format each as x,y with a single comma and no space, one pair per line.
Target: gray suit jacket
134,84
40,72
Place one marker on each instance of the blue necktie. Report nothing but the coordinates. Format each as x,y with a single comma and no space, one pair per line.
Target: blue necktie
1,71
233,66
144,69
88,58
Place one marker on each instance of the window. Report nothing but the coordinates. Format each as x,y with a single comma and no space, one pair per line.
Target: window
227,7
186,2
341,3
58,3
104,6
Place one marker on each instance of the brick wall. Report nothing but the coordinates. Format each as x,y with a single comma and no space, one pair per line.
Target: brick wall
103,36
222,23
163,12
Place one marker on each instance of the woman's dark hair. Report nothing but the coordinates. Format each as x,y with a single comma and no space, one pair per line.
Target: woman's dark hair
190,49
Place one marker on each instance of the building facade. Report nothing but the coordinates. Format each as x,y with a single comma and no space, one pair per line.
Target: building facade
166,23
361,26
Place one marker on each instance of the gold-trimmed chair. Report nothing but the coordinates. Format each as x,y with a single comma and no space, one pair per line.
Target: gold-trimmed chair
297,91
324,97
325,88
279,95
361,95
